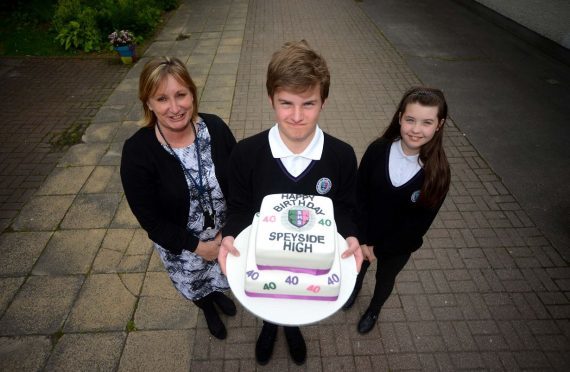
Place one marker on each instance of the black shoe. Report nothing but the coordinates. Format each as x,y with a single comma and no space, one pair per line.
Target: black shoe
368,321
225,303
296,343
215,325
265,343
352,299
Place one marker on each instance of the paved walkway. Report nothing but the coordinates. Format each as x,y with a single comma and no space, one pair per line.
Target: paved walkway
41,99
81,288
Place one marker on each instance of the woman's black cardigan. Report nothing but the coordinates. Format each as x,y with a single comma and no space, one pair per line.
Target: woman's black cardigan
156,188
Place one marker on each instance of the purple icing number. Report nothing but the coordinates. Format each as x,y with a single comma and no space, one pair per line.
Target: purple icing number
252,274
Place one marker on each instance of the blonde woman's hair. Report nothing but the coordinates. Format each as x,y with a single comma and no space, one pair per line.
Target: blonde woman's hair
153,74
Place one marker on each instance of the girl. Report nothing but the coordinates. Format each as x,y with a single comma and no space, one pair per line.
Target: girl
403,179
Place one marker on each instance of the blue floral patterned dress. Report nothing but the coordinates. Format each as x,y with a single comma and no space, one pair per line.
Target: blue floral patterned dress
193,276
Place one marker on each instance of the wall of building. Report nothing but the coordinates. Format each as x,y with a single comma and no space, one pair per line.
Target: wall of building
549,18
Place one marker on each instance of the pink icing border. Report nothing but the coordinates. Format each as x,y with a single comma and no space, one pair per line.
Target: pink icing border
294,269
295,297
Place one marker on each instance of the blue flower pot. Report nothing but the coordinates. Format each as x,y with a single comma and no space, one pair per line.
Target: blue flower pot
127,53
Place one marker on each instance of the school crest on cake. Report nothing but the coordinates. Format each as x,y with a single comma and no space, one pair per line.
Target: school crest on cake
299,217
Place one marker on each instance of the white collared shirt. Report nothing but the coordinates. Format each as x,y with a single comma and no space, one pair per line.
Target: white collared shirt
402,167
296,163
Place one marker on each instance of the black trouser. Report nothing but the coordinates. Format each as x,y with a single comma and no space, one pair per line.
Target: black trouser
386,271
273,325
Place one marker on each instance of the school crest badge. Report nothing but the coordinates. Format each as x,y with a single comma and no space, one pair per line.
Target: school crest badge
299,217
324,185
415,196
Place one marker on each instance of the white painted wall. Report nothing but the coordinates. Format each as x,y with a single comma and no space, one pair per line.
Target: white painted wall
549,18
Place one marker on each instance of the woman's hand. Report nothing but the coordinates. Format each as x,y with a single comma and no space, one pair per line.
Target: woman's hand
368,252
353,249
226,247
209,250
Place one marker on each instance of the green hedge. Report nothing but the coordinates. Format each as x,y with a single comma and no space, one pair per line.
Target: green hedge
85,24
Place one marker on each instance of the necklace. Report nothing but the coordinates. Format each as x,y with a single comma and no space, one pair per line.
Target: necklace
204,191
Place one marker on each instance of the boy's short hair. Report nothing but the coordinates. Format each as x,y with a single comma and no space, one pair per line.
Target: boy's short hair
297,67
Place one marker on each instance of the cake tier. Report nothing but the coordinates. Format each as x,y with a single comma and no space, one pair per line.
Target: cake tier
296,233
291,285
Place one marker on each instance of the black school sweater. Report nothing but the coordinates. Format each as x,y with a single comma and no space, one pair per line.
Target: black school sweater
389,217
255,173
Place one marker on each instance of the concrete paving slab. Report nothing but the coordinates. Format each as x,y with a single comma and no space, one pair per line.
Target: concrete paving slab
113,154
91,211
87,352
24,353
20,251
103,179
124,218
69,252
109,112
124,97
8,288
106,303
41,305
168,350
160,48
162,307
111,255
221,80
65,180
217,94
223,68
221,108
230,40
155,264
132,256
84,154
42,213
100,132
140,245
126,130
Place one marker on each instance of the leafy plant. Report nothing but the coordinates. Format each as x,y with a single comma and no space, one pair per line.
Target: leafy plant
78,30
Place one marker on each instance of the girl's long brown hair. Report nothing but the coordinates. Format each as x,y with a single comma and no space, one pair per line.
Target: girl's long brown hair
432,155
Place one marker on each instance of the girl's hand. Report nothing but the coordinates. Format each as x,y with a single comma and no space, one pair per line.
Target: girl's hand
209,250
353,249
226,247
368,252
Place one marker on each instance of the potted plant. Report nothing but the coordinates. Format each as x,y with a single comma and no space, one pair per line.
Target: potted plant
123,41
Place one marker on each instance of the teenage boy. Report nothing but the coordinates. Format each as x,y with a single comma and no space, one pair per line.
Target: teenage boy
294,156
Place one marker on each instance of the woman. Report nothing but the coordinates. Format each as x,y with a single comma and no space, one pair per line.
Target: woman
173,173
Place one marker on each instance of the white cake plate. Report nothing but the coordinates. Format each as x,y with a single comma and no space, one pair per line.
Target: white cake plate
288,312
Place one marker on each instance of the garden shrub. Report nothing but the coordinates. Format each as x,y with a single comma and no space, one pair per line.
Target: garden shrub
85,24
81,32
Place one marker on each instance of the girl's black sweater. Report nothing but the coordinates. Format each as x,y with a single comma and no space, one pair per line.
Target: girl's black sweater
389,217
